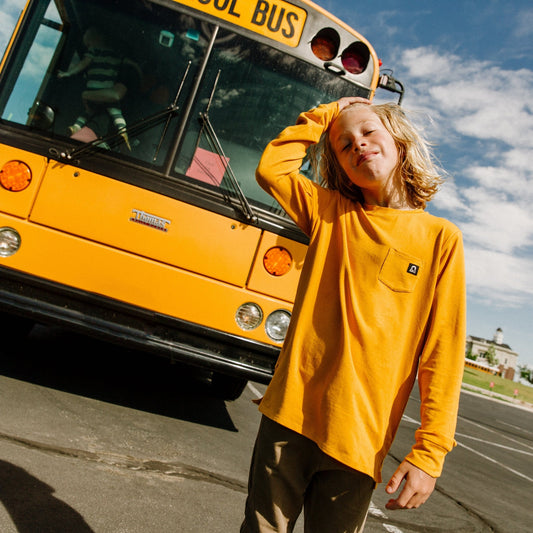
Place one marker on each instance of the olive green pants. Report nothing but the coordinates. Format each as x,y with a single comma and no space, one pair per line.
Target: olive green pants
290,472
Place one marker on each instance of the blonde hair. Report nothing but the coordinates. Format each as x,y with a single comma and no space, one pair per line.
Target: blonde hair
420,176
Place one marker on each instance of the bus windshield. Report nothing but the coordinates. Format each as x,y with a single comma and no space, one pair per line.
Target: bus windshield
259,91
192,100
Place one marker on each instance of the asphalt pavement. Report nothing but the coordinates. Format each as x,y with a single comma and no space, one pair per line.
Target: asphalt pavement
124,444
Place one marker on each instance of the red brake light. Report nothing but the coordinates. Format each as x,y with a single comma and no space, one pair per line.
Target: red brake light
355,58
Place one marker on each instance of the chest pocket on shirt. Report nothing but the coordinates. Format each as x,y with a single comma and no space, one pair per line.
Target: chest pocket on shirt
399,271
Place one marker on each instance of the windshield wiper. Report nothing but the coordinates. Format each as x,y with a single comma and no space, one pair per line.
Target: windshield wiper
72,154
212,136
169,116
215,143
140,125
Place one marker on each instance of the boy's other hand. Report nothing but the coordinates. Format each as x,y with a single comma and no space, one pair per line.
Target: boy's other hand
349,100
416,490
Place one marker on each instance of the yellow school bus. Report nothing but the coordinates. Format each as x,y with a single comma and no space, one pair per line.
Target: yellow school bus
130,131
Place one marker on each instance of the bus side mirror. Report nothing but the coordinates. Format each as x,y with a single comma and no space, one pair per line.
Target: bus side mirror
41,116
387,82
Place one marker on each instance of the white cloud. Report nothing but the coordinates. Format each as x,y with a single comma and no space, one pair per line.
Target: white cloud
449,198
428,65
9,13
510,179
498,278
524,24
495,223
519,159
482,118
478,99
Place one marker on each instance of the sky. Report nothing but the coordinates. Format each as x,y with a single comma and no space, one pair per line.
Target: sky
467,69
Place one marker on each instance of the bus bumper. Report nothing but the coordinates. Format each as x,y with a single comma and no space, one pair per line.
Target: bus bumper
44,301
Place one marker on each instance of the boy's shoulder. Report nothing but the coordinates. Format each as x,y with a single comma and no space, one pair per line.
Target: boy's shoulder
441,223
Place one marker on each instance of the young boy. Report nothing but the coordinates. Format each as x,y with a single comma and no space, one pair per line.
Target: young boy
381,300
102,65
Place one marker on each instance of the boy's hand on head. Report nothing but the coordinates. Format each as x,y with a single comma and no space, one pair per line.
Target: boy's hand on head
416,490
349,100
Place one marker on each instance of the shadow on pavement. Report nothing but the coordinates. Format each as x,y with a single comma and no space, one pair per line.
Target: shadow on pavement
63,360
32,505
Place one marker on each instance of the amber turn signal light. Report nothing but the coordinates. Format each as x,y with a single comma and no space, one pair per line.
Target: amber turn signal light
325,44
15,176
277,261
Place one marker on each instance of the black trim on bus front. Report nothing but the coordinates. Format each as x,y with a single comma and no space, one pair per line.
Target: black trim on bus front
44,301
152,178
140,176
163,181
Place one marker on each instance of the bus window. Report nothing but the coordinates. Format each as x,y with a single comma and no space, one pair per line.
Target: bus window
253,91
153,55
249,90
21,105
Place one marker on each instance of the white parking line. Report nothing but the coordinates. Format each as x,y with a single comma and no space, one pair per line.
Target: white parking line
484,441
516,472
515,427
409,419
493,431
494,461
378,513
392,529
255,392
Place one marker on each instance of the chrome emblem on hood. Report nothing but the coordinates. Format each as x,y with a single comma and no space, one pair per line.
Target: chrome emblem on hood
146,219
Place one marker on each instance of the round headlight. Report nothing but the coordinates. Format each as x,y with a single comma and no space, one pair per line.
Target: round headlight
276,325
9,241
249,316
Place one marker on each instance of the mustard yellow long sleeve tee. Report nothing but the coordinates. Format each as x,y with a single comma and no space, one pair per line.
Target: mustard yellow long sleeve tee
381,299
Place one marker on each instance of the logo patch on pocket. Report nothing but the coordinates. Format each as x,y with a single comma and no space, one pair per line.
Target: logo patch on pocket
399,271
412,269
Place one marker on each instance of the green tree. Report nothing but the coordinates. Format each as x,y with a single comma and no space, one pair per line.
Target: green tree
526,373
470,355
490,355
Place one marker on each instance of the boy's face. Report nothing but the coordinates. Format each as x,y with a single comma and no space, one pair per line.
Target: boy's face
365,149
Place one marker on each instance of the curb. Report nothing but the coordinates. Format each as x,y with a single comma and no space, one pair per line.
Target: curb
497,397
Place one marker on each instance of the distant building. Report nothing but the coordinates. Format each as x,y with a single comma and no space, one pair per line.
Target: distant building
492,355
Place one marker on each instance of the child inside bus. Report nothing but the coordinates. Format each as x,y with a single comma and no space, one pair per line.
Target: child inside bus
381,301
102,90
